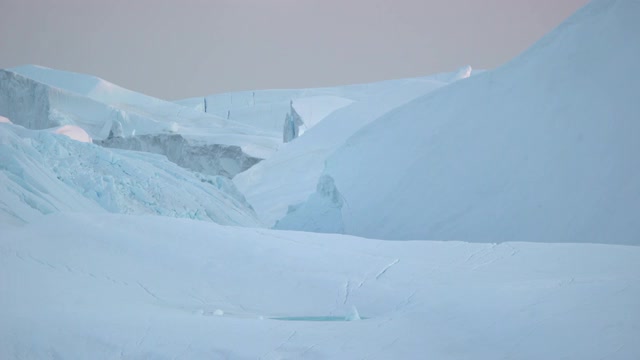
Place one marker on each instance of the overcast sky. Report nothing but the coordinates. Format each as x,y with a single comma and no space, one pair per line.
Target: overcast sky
177,49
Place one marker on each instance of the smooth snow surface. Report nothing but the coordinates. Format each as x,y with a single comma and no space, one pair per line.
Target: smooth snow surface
114,286
535,166
545,148
43,173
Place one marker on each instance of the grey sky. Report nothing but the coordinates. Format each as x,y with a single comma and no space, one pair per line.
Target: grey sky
176,49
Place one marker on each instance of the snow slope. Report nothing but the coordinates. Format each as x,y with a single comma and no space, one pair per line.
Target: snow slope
39,98
545,148
114,286
289,176
43,173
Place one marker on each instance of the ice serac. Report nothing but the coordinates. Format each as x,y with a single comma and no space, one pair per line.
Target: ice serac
43,173
268,109
211,159
544,148
292,124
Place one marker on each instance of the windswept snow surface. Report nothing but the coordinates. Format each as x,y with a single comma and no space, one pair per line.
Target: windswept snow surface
43,173
115,286
39,98
545,148
289,176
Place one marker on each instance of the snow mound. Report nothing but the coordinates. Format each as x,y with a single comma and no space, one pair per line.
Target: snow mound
5,120
544,148
73,132
42,173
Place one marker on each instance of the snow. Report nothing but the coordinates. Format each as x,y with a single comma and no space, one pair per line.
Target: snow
289,176
40,98
315,108
111,286
544,148
43,173
140,241
267,109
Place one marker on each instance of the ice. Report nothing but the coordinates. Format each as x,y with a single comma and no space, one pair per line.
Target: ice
73,132
148,247
40,98
98,286
544,148
288,177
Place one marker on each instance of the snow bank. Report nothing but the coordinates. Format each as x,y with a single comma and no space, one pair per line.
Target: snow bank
5,120
544,148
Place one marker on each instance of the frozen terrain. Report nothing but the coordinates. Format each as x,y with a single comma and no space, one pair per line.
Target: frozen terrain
43,173
545,148
291,174
39,98
134,228
128,287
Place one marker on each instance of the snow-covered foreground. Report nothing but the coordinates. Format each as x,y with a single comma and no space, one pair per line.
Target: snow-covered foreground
116,286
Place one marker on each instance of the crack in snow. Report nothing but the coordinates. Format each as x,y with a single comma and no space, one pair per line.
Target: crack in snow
384,270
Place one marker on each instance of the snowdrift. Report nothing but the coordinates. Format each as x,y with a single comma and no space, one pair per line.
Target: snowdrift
545,148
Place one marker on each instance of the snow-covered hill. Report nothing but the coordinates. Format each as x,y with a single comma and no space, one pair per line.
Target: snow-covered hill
128,287
43,173
545,148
